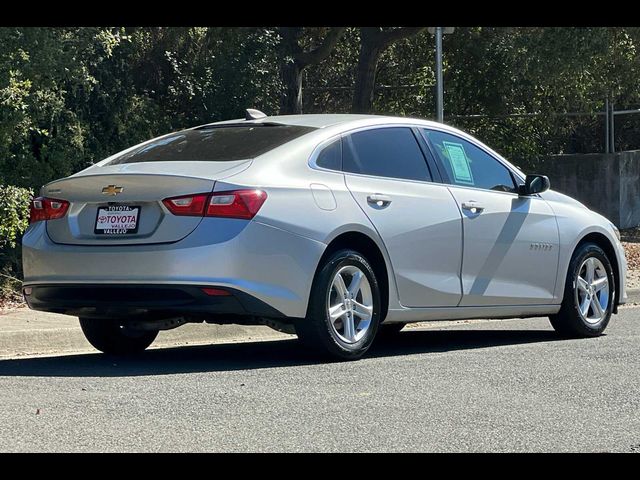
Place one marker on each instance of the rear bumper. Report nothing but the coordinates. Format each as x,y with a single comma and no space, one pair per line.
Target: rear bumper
267,263
146,301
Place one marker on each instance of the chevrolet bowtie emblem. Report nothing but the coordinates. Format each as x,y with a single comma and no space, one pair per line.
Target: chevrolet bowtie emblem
112,190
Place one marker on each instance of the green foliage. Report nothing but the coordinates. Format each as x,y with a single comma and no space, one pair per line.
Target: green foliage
498,71
14,218
72,96
14,213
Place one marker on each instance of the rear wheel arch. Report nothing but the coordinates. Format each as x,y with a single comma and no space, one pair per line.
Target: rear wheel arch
605,244
367,247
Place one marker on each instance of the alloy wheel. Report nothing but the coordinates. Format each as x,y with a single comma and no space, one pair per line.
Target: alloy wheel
350,304
592,290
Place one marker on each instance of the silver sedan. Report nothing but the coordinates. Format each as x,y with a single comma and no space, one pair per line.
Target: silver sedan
335,227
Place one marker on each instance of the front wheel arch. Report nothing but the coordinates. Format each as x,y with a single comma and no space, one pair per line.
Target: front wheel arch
570,320
605,244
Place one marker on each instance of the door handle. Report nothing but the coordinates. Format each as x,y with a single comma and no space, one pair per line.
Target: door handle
379,199
473,207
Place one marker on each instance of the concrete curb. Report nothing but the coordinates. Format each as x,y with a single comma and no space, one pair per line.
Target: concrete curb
633,295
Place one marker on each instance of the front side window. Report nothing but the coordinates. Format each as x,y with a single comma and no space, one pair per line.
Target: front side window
467,165
385,152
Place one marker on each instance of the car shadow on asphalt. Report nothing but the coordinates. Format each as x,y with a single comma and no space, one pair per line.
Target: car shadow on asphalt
258,355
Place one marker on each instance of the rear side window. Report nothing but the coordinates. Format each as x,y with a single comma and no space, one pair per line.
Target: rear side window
385,152
215,144
331,156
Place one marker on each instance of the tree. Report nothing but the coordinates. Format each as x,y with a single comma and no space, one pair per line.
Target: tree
296,59
373,41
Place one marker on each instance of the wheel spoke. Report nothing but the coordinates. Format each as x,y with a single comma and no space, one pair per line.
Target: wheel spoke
600,283
596,307
336,311
590,267
584,305
583,285
356,280
362,311
363,325
349,327
339,285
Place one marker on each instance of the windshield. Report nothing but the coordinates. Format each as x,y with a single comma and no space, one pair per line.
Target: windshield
214,144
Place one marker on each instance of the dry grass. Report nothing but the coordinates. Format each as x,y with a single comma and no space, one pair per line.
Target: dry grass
632,252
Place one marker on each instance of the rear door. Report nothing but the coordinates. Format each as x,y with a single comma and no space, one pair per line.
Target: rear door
418,220
510,242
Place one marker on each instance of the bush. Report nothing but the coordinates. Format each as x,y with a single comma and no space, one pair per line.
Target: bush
14,213
14,218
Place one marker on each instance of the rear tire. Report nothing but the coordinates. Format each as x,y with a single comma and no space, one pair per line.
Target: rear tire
112,337
343,315
589,294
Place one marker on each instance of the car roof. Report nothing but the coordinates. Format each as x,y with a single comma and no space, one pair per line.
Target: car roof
321,120
337,122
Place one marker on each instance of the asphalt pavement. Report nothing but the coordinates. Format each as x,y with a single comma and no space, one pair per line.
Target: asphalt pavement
488,386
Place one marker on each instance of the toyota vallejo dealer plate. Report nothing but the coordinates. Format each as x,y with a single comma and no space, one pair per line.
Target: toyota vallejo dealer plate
117,220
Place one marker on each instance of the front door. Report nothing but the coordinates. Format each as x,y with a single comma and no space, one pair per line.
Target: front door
510,253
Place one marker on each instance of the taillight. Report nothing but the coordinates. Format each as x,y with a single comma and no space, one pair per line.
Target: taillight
43,208
236,204
243,204
189,205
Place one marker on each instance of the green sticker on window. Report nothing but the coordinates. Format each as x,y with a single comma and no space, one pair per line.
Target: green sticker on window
459,162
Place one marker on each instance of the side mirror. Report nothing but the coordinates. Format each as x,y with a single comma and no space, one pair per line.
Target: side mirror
534,184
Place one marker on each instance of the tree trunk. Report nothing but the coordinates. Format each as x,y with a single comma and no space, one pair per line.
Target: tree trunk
365,75
373,42
296,60
291,99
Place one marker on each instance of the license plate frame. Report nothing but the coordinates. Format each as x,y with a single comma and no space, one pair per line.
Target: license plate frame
115,210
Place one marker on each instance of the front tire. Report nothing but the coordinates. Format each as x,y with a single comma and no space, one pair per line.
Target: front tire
588,295
344,307
114,338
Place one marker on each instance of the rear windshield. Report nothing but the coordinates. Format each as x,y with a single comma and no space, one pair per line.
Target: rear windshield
215,144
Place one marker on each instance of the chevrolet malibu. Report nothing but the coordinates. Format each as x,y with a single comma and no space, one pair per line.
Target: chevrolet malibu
335,227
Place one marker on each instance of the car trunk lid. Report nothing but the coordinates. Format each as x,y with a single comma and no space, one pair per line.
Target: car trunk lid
133,194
